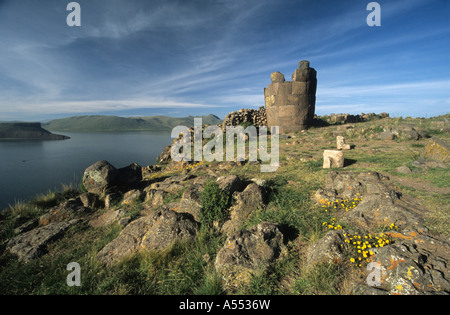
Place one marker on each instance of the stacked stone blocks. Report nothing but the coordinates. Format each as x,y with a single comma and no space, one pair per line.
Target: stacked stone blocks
291,104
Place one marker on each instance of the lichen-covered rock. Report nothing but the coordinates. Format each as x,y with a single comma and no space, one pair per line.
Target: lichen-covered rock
67,210
33,244
438,150
230,183
190,201
106,218
349,185
157,231
132,196
326,250
414,264
99,176
247,252
245,203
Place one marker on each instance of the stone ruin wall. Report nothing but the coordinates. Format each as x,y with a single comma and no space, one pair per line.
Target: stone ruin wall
256,117
291,104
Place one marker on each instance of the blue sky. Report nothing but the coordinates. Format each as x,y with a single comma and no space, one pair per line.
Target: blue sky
179,58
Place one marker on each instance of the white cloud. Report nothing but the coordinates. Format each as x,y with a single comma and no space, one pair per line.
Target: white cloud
78,107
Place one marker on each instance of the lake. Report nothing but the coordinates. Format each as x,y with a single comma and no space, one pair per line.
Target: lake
28,168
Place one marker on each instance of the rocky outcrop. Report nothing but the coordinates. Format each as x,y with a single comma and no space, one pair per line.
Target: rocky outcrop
157,231
410,262
33,244
247,252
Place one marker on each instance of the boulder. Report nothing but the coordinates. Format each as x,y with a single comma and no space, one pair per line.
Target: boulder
247,252
153,232
403,169
99,177
154,198
386,135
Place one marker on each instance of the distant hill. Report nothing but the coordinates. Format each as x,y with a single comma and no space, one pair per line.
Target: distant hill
27,131
114,123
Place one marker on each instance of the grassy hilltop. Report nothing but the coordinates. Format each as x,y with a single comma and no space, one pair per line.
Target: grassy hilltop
189,267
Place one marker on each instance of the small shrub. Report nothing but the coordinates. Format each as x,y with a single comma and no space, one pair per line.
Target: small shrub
214,203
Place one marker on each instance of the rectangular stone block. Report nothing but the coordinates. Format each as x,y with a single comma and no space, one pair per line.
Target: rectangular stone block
333,159
284,88
300,75
298,88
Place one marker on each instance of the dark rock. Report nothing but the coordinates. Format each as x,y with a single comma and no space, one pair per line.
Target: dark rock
112,198
129,176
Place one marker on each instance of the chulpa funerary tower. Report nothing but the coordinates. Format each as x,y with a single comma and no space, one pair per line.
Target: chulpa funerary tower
291,104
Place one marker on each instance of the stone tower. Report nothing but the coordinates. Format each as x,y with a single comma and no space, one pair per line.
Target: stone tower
291,104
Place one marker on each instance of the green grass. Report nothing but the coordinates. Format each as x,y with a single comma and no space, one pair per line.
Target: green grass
322,279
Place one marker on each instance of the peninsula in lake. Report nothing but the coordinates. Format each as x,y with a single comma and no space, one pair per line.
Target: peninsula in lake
27,131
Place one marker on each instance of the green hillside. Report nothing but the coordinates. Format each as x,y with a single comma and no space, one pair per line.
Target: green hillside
115,123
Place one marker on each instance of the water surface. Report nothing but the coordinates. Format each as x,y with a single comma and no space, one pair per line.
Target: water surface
28,168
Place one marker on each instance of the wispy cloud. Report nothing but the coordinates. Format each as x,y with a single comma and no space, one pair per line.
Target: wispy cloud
197,54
